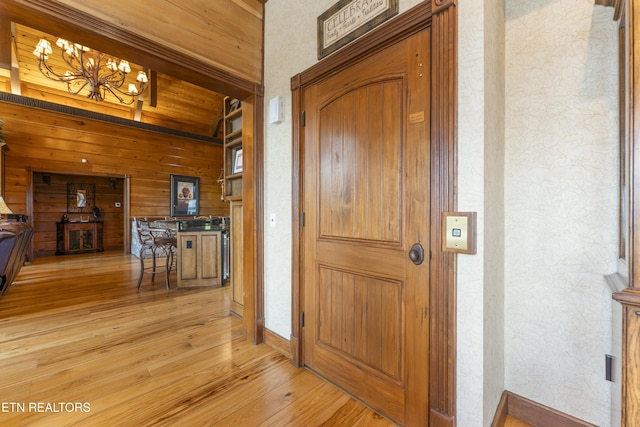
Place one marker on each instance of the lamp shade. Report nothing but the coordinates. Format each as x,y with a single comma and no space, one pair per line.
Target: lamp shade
4,209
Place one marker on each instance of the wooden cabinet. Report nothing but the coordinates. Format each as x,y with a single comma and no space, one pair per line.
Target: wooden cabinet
199,258
237,280
78,237
627,401
233,153
631,348
626,390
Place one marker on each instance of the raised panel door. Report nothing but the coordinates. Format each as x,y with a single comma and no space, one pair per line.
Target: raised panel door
366,204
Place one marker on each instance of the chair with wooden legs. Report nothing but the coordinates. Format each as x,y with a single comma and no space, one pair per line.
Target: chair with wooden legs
154,243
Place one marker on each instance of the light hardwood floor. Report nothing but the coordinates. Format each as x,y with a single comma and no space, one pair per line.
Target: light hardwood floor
79,346
514,422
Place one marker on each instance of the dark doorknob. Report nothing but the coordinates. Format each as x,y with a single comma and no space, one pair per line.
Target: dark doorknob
416,254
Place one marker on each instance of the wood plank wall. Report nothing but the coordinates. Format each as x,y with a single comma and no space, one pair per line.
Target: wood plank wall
226,34
44,141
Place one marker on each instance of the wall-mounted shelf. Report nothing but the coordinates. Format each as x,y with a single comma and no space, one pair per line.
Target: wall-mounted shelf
233,155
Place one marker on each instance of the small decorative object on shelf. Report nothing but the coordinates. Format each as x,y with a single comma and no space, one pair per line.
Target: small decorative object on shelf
237,161
220,181
234,104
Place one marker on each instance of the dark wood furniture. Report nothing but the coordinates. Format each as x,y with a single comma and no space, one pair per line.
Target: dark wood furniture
78,237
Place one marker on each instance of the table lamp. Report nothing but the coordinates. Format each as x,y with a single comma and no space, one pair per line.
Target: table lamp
4,209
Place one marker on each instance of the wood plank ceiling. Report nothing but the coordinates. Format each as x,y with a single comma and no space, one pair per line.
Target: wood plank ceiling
179,105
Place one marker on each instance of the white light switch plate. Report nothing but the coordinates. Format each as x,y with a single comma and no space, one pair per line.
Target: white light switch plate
276,110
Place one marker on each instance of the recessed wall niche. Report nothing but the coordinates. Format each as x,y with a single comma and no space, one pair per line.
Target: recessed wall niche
52,200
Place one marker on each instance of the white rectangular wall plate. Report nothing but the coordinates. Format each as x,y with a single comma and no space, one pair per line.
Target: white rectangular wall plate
276,110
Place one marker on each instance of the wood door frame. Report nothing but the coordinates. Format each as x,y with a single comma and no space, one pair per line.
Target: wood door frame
441,17
54,17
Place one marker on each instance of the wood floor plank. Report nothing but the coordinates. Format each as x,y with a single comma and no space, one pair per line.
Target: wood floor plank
310,409
268,405
80,346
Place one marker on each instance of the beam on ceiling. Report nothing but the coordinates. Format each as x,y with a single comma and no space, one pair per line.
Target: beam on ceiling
15,65
153,88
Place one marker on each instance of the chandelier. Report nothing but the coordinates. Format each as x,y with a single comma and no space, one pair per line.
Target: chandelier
93,70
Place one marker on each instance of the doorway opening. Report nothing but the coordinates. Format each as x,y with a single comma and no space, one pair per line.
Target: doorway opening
51,205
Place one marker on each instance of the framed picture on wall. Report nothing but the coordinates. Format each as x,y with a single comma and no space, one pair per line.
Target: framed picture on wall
80,197
185,195
237,161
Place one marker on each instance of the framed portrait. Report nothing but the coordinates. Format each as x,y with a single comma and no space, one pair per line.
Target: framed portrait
237,161
185,199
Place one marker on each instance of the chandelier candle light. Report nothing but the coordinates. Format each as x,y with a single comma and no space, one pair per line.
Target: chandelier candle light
92,69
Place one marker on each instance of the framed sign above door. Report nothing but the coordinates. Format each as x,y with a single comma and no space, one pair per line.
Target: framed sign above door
347,20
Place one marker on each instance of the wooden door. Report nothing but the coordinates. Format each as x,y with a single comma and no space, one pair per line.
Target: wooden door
366,205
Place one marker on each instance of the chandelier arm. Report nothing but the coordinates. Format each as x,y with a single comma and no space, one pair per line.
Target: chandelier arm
75,92
115,78
141,87
122,101
48,71
117,82
73,62
84,70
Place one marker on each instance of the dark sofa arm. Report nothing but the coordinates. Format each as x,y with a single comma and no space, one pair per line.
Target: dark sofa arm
15,238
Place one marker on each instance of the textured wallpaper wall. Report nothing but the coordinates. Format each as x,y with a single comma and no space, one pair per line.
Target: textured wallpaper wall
471,197
561,205
290,48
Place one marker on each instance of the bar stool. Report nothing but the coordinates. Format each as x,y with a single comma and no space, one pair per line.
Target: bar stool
156,242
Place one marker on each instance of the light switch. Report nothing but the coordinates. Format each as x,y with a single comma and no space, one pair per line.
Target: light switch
458,232
276,110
